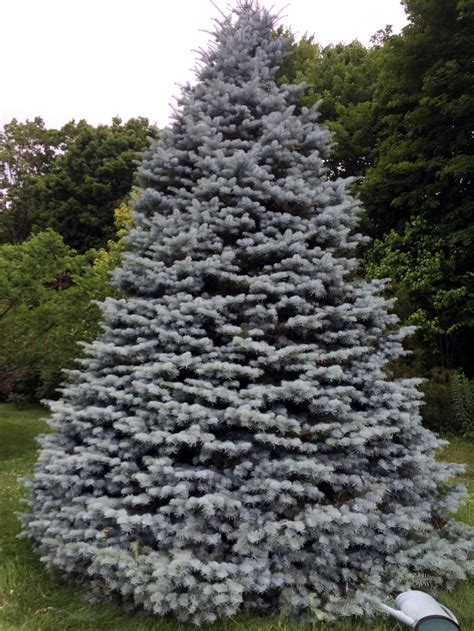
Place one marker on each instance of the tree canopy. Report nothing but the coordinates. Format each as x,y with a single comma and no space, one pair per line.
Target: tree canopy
47,291
421,184
26,150
69,180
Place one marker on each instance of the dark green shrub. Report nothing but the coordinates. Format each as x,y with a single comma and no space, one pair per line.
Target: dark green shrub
449,403
461,391
437,413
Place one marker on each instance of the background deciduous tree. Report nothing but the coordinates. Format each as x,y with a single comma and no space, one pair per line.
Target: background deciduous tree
47,291
93,176
26,150
70,180
343,76
419,191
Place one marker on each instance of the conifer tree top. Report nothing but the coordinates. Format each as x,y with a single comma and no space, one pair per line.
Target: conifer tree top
242,51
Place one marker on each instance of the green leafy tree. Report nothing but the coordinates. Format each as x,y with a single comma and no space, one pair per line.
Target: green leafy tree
418,263
47,294
343,76
37,320
26,150
421,183
94,174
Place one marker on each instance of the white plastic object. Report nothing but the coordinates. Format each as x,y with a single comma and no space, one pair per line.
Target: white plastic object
422,612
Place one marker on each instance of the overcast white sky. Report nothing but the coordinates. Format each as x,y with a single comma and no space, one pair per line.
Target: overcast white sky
94,59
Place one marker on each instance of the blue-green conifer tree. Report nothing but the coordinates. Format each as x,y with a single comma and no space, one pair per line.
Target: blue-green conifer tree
233,439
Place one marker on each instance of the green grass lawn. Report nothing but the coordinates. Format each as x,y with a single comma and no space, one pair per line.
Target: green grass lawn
31,599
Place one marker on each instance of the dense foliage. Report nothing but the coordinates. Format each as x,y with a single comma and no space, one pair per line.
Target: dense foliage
46,289
26,150
58,192
399,112
401,115
419,192
342,78
234,439
70,180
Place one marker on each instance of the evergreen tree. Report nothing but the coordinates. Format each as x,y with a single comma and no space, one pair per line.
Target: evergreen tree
233,439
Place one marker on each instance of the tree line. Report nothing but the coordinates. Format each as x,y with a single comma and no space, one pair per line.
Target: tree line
400,111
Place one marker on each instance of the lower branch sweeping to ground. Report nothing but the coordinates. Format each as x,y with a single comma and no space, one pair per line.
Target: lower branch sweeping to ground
31,599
